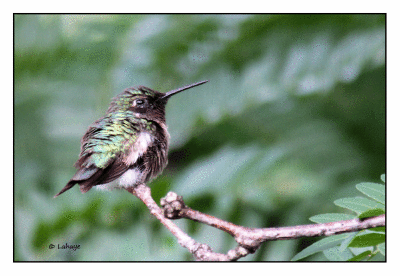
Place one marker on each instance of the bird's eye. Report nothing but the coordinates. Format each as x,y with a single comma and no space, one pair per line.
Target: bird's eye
139,102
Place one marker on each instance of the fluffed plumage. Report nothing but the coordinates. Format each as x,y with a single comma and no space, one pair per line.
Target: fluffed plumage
129,144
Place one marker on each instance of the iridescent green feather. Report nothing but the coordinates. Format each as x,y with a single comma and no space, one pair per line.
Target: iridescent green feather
114,134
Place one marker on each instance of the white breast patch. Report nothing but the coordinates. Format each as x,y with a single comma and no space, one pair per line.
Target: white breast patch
143,141
131,176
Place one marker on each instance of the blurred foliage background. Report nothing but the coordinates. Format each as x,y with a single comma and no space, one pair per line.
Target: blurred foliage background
292,118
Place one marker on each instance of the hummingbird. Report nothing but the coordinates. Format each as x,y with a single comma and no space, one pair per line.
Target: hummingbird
129,145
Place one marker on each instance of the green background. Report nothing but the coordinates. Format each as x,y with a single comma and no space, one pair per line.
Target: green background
292,117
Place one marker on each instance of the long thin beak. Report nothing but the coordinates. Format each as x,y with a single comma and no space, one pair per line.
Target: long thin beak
173,92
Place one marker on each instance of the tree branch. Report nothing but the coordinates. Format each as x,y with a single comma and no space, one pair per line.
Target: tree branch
248,239
201,252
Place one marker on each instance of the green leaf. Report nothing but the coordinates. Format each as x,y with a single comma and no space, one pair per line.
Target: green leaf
375,257
319,246
382,248
347,241
360,257
383,178
378,229
334,254
358,204
371,213
370,239
373,190
324,218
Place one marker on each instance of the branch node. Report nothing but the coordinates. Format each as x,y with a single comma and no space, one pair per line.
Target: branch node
249,241
172,205
237,253
202,252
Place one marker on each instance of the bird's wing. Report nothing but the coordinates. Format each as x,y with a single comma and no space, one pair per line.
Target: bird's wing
102,148
100,159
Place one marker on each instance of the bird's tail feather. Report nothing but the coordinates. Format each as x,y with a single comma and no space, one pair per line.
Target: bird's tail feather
66,188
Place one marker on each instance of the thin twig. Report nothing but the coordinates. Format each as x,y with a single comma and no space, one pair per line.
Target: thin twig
248,239
251,238
201,252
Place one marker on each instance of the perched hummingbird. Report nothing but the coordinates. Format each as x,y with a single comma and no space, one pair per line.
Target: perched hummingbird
129,145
